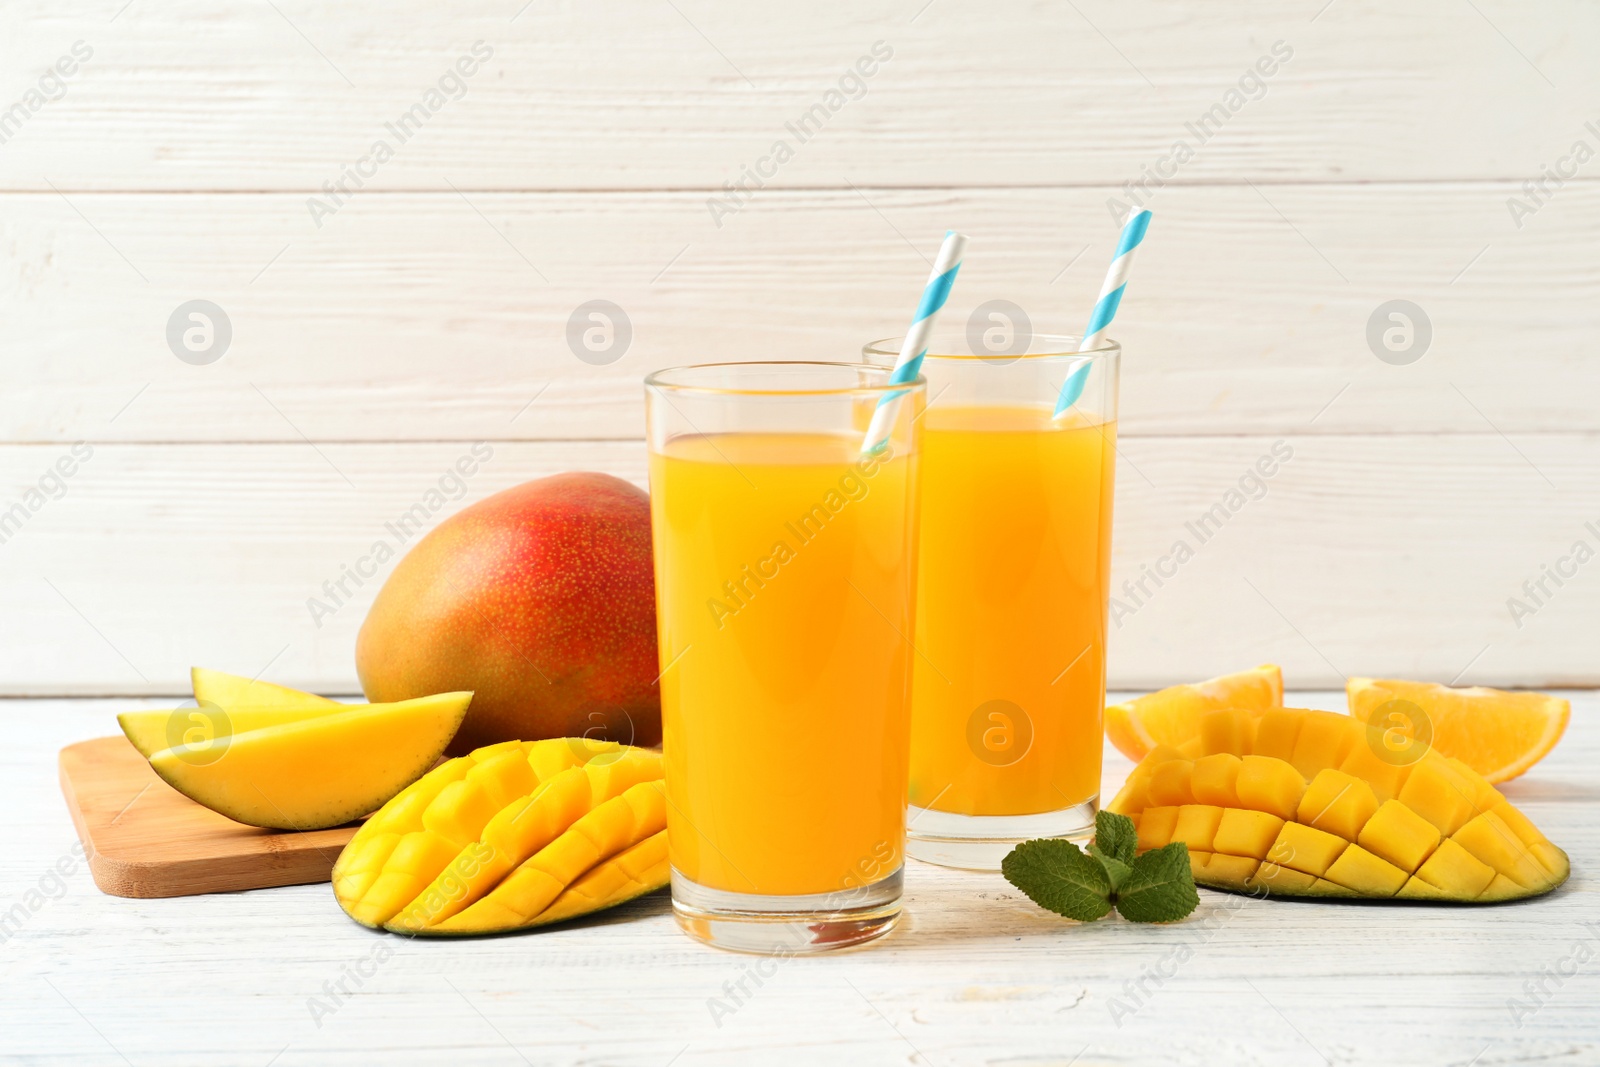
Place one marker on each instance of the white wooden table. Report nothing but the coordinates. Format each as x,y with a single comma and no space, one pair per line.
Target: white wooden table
974,975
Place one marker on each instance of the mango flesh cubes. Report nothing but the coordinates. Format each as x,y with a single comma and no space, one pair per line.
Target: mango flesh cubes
508,837
1296,803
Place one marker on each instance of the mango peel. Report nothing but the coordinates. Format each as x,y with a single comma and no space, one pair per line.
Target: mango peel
510,837
1296,803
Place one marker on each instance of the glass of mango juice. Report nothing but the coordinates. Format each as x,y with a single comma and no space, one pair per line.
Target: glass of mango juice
785,564
1015,564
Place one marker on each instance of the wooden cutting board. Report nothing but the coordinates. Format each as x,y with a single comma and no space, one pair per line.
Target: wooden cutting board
145,839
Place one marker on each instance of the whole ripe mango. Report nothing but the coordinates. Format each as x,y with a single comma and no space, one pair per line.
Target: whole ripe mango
1298,803
540,600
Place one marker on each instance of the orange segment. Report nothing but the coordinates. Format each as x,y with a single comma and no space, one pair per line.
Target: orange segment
1172,716
1496,733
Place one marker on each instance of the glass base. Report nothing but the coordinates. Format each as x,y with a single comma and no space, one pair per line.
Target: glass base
980,842
787,925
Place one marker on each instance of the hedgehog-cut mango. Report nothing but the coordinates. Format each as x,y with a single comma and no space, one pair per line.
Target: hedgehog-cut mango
1296,803
510,837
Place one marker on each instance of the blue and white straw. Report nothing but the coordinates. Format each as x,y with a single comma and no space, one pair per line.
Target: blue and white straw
1105,309
909,363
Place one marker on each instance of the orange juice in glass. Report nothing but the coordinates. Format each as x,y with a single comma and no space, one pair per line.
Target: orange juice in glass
1014,576
785,578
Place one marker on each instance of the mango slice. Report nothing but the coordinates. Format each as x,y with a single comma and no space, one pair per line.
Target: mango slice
1169,717
510,837
231,691
1496,733
316,772
157,729
228,704
1297,803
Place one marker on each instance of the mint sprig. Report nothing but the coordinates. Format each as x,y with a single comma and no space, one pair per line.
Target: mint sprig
1156,887
1114,835
1058,876
1161,887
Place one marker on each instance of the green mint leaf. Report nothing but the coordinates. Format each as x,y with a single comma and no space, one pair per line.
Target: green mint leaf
1160,888
1116,870
1115,835
1059,877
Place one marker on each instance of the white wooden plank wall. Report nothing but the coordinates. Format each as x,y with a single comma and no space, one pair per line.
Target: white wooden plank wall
1377,161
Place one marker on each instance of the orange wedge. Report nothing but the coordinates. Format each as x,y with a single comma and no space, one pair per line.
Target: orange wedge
1496,733
1172,716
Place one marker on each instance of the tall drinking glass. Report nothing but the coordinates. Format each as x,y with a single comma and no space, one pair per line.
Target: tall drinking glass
1015,570
785,562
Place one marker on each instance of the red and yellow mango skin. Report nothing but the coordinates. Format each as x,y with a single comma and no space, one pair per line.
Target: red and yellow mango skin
543,595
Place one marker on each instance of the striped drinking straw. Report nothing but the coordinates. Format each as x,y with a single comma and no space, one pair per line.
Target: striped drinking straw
1105,309
909,363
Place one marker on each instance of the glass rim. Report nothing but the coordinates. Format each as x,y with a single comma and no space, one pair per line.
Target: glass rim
660,380
1061,345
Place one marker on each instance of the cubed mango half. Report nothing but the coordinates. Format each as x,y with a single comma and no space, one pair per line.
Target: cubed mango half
509,837
1297,803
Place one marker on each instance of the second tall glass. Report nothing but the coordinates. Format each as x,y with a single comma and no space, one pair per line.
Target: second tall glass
1014,574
